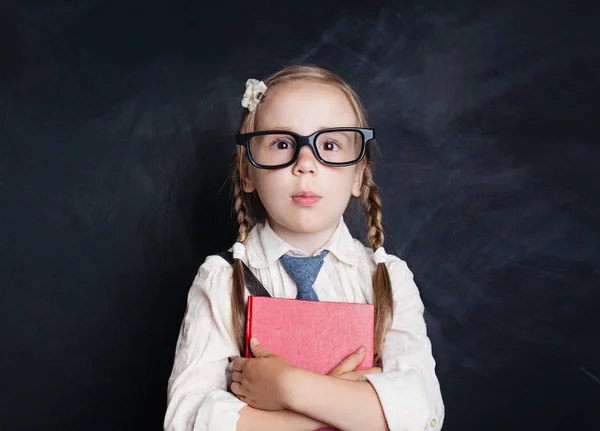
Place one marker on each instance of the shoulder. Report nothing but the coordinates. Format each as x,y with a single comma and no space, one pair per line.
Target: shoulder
396,265
401,277
213,277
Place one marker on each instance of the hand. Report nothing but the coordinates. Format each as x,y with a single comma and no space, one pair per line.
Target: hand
346,369
260,381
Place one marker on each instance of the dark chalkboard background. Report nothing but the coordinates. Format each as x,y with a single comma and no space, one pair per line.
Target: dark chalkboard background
116,122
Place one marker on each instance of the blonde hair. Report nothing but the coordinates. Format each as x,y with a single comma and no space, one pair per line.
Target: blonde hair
246,205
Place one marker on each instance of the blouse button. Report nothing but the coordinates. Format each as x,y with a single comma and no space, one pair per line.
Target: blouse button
433,423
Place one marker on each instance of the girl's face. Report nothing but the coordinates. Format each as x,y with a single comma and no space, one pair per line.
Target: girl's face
304,108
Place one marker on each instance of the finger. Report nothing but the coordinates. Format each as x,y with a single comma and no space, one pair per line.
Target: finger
238,364
349,363
236,376
361,373
258,350
238,389
352,375
358,375
374,370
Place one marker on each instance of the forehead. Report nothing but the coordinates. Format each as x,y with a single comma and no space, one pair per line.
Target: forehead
304,107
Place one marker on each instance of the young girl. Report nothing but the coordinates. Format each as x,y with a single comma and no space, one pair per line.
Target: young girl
295,165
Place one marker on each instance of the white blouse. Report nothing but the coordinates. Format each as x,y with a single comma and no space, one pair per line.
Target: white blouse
408,388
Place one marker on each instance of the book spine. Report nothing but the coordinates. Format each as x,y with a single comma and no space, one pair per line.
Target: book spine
247,352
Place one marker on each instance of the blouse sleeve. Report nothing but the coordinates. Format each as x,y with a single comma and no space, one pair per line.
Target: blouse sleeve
408,388
198,399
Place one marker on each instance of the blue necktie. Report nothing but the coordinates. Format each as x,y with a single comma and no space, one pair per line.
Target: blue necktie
304,271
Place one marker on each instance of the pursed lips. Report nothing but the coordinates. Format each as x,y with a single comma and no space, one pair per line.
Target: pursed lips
306,198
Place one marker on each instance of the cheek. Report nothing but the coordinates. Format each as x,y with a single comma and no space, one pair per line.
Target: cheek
340,180
269,183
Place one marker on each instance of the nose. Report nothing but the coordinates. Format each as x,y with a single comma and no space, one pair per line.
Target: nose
307,163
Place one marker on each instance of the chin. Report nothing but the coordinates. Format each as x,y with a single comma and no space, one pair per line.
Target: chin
309,223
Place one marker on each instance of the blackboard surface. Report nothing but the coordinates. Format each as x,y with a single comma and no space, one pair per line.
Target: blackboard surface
116,123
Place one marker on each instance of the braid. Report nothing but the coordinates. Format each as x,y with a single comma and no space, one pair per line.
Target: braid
382,287
245,221
372,202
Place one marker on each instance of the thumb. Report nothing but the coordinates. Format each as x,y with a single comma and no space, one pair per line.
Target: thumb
258,350
349,363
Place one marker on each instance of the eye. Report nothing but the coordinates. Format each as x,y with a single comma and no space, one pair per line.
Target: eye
330,146
282,144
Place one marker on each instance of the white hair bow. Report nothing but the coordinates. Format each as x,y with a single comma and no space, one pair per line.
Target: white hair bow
255,93
239,251
380,255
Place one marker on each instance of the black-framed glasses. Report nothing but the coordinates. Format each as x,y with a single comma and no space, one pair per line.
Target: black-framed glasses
276,149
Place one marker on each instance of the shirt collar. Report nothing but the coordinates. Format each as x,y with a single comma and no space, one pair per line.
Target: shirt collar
264,246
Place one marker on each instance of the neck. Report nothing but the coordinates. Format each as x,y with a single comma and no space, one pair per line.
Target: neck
308,242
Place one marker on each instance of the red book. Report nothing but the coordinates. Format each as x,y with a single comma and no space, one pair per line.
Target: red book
312,335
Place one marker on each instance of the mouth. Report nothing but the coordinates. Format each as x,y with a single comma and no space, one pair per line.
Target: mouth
306,198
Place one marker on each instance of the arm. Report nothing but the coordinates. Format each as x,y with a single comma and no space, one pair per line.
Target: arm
408,388
252,419
269,382
197,388
198,398
345,404
407,391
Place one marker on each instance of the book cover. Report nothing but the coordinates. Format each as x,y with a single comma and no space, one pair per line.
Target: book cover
312,335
